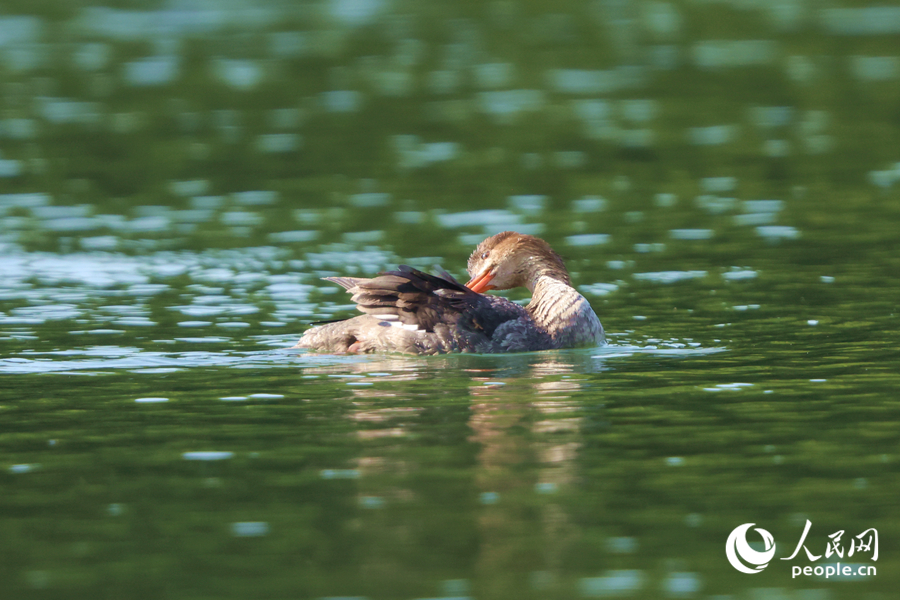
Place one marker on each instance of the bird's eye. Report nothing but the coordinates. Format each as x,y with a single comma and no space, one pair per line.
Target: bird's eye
484,255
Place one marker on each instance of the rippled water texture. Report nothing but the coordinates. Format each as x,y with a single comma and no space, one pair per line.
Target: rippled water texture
176,178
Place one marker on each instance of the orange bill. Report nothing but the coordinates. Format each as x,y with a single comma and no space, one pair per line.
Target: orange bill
481,282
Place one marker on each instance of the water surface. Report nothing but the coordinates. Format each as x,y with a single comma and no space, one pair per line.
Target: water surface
175,179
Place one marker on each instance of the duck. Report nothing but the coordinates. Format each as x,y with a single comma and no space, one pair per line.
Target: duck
412,312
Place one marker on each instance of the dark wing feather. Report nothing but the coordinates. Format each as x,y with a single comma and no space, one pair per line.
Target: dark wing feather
417,298
447,276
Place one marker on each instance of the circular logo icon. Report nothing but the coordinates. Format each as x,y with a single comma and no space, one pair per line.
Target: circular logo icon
740,554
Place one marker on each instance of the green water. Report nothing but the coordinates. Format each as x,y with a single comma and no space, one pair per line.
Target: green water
176,177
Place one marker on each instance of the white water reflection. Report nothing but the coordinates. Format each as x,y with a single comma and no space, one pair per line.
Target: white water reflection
112,359
248,283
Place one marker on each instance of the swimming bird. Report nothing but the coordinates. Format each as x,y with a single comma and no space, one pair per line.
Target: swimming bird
413,312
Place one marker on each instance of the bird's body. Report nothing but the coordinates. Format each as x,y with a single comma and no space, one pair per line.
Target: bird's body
415,313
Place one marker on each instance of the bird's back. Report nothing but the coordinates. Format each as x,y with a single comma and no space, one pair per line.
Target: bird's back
413,312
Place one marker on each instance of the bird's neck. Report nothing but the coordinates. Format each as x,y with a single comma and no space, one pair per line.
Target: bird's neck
543,273
551,295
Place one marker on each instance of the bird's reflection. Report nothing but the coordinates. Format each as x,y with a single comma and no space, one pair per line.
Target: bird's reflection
516,430
515,420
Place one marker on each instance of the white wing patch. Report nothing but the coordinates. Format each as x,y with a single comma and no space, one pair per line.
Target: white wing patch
392,321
